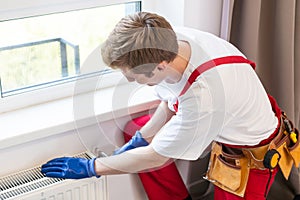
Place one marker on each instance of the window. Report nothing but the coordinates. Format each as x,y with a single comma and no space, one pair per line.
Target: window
48,48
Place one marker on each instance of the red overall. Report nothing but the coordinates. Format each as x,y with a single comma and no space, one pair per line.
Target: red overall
166,183
258,179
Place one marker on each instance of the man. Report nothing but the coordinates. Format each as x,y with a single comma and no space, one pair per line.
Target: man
221,101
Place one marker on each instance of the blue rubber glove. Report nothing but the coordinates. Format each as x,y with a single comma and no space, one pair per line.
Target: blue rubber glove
69,168
136,141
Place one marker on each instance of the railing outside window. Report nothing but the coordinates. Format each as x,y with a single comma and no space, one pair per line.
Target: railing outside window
63,57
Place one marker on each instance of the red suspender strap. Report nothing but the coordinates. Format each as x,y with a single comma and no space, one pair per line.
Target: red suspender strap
211,64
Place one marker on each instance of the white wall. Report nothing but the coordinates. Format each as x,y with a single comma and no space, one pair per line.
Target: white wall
204,15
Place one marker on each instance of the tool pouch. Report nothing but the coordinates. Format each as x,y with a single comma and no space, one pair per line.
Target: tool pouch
289,151
228,170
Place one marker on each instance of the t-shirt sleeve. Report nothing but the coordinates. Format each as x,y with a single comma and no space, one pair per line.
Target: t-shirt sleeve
191,130
165,95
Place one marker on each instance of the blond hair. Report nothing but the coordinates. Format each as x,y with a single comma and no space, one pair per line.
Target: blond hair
140,42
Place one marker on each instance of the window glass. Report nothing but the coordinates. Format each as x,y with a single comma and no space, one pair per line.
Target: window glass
42,50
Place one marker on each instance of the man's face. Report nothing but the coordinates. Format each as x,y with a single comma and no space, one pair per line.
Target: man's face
156,77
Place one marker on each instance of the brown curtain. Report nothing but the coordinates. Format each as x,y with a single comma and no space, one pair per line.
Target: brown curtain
268,32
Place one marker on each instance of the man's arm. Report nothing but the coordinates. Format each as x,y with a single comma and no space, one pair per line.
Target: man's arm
160,117
144,136
133,161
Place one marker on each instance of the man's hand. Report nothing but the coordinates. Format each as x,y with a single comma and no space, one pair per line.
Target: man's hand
136,141
69,168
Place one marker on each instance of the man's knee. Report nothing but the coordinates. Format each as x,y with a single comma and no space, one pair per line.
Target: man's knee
133,125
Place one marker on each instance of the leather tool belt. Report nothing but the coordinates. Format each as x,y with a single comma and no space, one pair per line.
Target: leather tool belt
229,167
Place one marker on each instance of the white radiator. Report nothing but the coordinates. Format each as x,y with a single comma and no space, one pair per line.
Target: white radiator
31,184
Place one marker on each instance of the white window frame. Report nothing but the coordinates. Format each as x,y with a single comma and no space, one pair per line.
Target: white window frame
15,9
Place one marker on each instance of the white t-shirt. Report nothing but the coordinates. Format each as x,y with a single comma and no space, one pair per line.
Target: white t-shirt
227,103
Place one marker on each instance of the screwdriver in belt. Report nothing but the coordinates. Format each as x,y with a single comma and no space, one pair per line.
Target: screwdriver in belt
289,130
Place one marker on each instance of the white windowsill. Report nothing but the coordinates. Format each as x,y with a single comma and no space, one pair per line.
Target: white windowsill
56,117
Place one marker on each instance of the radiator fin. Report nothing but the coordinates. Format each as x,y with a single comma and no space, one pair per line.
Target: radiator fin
27,181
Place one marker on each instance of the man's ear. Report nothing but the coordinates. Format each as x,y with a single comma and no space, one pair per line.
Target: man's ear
162,66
